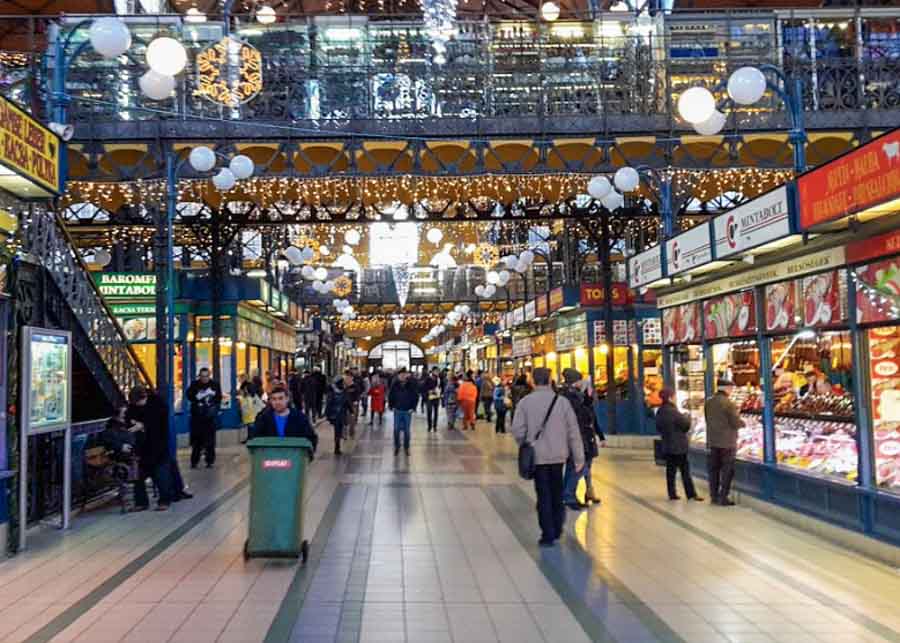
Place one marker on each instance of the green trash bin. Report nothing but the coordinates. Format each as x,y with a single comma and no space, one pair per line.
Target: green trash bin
277,477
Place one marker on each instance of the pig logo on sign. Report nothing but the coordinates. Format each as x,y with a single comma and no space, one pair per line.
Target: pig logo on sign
891,151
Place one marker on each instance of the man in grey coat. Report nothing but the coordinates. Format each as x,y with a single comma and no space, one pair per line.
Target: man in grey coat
549,423
722,424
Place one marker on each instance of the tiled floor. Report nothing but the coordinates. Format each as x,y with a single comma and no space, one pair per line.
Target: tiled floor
441,547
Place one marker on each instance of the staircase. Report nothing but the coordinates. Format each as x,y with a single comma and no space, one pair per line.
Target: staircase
54,285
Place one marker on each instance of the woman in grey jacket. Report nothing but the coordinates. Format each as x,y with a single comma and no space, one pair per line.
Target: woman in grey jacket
674,426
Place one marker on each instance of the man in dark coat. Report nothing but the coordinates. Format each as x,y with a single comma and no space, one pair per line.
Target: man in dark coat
583,406
431,388
279,419
674,427
205,397
308,391
320,388
339,407
295,388
147,415
403,399
722,425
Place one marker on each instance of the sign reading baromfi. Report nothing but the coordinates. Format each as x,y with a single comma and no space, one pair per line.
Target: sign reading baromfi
126,285
646,267
28,148
765,218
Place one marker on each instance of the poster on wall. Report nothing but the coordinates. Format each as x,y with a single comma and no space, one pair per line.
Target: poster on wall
884,374
781,306
49,372
731,315
878,291
681,324
824,299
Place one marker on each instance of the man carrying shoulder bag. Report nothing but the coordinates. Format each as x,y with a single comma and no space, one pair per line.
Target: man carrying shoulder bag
546,423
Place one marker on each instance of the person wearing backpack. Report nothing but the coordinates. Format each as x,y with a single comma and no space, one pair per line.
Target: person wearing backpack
575,390
547,422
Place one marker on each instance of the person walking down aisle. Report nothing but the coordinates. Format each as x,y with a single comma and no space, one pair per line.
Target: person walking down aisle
432,388
486,392
339,407
403,398
502,403
548,422
377,392
520,389
280,420
251,405
319,389
467,398
574,389
205,397
674,426
451,404
722,425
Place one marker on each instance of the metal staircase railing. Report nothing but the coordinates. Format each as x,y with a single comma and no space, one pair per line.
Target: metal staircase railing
46,242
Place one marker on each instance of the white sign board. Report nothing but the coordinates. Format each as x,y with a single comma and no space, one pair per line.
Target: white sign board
645,267
688,250
761,220
530,310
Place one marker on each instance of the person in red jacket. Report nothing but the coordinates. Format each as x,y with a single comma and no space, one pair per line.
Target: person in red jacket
377,391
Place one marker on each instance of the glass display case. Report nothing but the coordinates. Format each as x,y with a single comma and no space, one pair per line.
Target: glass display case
690,390
739,362
815,429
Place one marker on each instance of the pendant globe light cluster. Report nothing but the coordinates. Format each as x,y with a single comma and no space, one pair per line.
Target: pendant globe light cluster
240,167
697,105
166,58
453,318
610,193
344,309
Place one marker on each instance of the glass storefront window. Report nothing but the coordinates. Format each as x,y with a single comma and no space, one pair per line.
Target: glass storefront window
146,353
265,367
739,362
815,429
253,362
581,361
884,385
620,364
653,382
689,370
552,362
178,377
225,374
240,361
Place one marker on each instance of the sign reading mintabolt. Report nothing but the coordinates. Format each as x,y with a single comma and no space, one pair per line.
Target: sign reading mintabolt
765,218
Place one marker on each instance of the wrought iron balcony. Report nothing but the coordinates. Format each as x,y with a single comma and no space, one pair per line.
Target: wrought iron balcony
579,77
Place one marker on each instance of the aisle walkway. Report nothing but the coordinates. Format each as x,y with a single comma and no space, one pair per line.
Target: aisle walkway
442,547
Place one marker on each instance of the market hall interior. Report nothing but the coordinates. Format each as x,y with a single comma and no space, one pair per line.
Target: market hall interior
441,546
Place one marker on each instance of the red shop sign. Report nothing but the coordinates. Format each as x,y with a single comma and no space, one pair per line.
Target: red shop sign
594,294
880,246
863,178
541,309
731,315
557,298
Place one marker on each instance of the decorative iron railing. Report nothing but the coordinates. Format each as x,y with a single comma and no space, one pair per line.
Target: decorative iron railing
46,242
322,75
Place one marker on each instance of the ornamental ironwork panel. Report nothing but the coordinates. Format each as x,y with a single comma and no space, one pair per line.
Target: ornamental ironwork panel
97,336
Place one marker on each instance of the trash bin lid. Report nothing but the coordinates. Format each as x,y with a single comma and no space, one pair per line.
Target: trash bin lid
281,443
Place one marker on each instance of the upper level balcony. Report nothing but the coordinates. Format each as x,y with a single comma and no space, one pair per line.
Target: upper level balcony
362,76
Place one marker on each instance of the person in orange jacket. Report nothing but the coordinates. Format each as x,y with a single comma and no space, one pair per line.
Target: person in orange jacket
467,395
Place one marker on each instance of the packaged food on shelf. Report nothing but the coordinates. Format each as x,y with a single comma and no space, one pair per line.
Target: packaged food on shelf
824,447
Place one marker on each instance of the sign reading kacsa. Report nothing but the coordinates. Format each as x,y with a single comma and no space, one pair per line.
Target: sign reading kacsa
28,148
863,178
765,218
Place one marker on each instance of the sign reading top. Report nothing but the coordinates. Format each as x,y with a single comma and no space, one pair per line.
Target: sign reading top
28,149
851,183
126,285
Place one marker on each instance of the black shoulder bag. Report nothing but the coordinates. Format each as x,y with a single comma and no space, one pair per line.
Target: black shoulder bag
526,449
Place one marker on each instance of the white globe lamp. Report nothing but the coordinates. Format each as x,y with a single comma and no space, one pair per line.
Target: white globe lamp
156,86
527,256
224,180
434,235
492,277
241,166
293,255
613,201
102,257
549,11
479,290
109,37
202,159
266,15
505,276
696,104
308,254
746,85
324,251
490,290
627,179
712,125
308,273
166,56
352,237
194,15
321,274
599,187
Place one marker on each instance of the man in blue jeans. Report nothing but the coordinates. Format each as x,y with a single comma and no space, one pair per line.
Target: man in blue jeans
403,398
